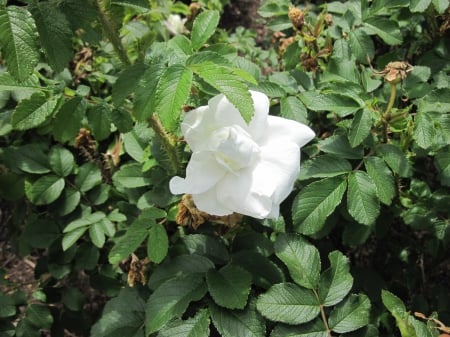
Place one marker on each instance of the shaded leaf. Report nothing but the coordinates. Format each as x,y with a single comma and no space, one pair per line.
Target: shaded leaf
128,243
361,45
72,237
88,177
197,326
387,29
360,128
32,112
396,159
131,176
69,119
145,94
45,190
351,314
61,161
339,145
315,328
157,243
382,178
127,82
99,118
363,203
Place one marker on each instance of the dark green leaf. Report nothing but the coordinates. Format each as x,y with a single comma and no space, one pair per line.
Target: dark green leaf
362,200
360,128
387,29
69,119
157,243
171,299
324,166
288,303
343,105
361,45
54,33
233,323
442,162
127,82
424,129
197,326
40,316
88,177
300,257
136,142
203,27
291,107
211,247
99,118
382,178
145,100
61,161
73,299
45,190
29,158
315,202
340,146
229,287
18,41
68,201
86,219
32,112
72,237
131,176
336,281
315,328
396,160
127,244
397,308
351,314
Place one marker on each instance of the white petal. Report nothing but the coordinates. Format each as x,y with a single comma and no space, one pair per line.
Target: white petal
224,112
202,173
258,125
195,126
208,202
286,130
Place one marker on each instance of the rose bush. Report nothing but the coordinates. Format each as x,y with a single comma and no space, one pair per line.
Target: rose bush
237,167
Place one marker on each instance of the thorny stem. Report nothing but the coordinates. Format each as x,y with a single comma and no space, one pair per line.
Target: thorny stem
323,315
168,143
111,32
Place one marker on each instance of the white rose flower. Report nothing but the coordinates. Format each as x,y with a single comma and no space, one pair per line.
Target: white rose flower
175,24
238,167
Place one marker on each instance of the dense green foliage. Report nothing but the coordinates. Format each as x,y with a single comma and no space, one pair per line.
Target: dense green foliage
91,98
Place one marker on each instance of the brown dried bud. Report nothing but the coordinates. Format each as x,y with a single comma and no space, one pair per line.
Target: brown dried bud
396,71
194,10
329,19
297,17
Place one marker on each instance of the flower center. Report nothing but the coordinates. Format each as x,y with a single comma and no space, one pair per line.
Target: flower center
234,148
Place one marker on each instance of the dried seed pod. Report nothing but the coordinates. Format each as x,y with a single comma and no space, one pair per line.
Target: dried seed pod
396,71
297,17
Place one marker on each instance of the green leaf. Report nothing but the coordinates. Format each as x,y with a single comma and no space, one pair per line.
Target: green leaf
122,315
171,93
291,107
8,83
99,118
32,112
88,177
440,5
127,244
362,200
29,158
442,162
315,203
336,281
97,234
140,5
136,142
300,257
204,26
54,33
182,264
361,45
45,190
288,303
145,95
233,323
387,29
339,145
197,326
396,160
18,41
229,287
398,310
342,105
228,83
171,299
69,119
72,237
127,82
360,128
382,178
419,5
324,166
157,243
315,328
68,201
40,316
211,247
424,129
61,161
86,220
131,176
351,314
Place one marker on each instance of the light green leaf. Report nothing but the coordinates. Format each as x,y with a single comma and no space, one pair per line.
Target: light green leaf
136,142
324,166
339,145
419,5
171,93
157,243
351,314
387,29
131,176
440,5
315,328
127,244
171,299
88,177
300,257
45,190
233,323
54,33
442,162
424,130
181,46
396,160
398,310
69,119
99,119
18,41
315,202
61,161
336,281
32,112
145,95
291,107
107,227
8,83
97,234
361,45
360,128
197,326
72,237
362,200
343,105
382,178
140,5
288,303
229,287
203,27
228,83
86,220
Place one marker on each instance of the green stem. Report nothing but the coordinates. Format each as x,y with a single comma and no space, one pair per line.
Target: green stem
323,315
111,32
167,142
387,114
